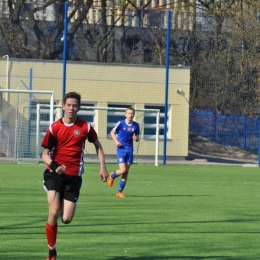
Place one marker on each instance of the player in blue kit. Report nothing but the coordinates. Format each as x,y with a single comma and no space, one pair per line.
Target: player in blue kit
123,134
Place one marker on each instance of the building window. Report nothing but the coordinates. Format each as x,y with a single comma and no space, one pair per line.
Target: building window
150,123
204,22
86,114
156,19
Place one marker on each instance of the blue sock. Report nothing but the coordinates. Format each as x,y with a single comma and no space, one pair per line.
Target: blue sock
114,175
121,186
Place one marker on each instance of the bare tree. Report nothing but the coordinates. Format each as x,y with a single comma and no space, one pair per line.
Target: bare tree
26,34
225,74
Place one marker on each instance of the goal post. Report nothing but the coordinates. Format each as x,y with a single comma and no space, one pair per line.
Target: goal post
103,120
16,131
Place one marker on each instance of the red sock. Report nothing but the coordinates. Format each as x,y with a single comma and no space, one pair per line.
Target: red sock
51,234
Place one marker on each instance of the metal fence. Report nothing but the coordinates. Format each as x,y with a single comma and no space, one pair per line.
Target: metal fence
227,130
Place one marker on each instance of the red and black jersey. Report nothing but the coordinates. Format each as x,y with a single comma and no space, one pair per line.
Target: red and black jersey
67,142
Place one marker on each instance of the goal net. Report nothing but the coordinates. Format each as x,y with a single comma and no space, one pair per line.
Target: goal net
18,123
103,119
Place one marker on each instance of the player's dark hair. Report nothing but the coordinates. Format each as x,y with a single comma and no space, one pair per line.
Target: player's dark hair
72,95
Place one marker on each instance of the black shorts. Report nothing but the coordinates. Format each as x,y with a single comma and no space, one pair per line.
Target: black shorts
68,186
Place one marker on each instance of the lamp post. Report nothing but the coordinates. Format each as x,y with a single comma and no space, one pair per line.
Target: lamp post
7,74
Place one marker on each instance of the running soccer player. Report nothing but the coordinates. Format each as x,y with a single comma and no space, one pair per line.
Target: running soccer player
63,152
123,134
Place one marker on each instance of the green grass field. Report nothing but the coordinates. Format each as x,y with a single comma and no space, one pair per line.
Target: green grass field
170,212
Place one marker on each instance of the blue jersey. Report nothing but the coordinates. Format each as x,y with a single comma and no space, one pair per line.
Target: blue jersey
125,132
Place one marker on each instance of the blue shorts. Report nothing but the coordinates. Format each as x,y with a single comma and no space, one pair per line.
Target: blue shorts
124,155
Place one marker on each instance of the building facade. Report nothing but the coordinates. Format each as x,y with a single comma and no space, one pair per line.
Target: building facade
142,13
101,85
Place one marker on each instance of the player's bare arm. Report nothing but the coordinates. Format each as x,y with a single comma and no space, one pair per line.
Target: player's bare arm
136,138
47,160
101,156
113,135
